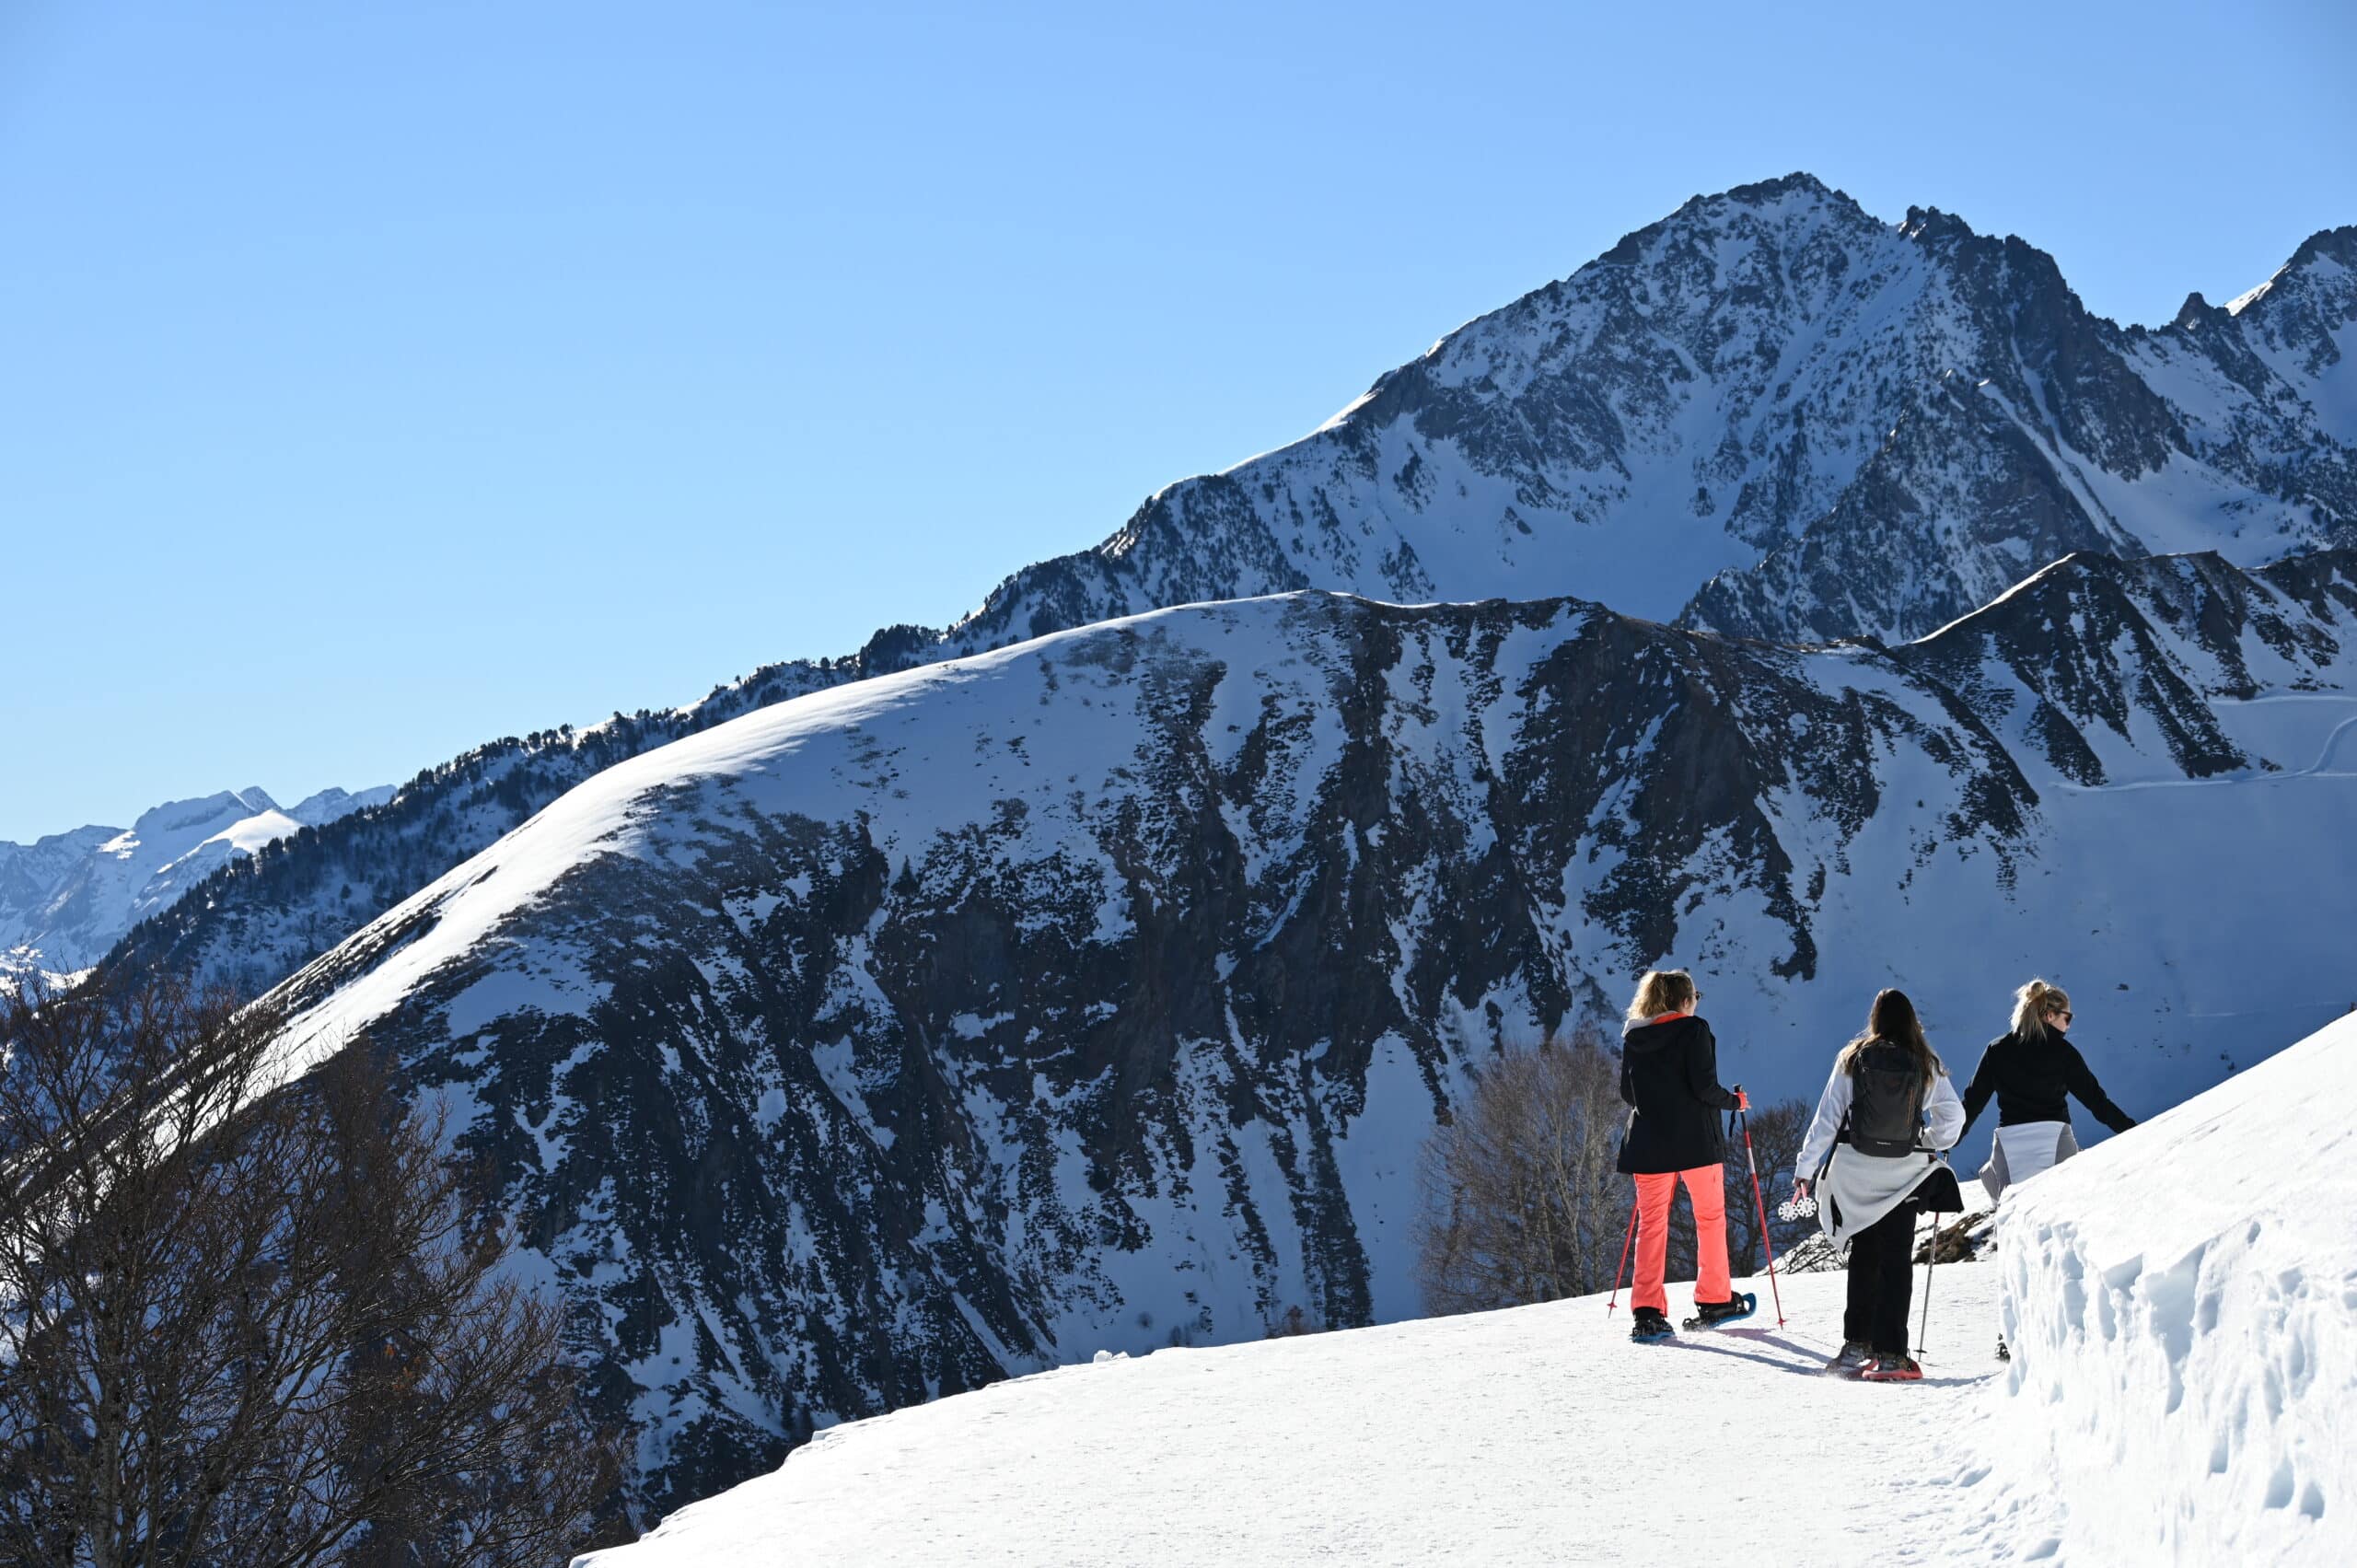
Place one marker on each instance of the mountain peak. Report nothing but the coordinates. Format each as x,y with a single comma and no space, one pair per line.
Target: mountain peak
1760,192
2325,252
1768,391
1791,195
1930,226
2335,244
181,816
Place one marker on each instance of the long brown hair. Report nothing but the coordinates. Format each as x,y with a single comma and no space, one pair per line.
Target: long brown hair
1892,1021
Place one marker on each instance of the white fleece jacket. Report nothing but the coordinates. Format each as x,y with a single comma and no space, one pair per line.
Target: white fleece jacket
1856,1190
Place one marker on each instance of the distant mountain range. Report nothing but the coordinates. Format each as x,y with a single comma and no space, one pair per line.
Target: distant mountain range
64,900
1820,602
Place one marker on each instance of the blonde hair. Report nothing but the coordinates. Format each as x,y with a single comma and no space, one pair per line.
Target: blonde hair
2032,1003
1662,991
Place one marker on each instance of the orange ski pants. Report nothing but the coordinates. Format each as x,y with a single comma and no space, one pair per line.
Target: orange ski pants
1706,1189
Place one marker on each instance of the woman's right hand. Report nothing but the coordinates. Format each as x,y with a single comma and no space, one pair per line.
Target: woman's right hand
1800,1188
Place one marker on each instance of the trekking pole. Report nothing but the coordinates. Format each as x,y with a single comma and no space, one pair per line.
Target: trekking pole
1614,1299
1761,1205
1930,1259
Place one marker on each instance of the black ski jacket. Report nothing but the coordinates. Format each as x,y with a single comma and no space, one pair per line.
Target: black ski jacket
2030,1079
1669,1072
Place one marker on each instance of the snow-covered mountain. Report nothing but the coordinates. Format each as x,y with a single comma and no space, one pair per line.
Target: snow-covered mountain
2182,1304
1102,989
1775,414
66,898
1770,413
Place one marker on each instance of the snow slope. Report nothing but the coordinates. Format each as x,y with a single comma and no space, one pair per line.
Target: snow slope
2184,1377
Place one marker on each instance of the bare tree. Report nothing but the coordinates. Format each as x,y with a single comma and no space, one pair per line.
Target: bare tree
1521,1200
257,1328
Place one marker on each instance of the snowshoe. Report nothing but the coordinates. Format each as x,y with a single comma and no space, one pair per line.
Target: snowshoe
1852,1360
1892,1366
1717,1314
1650,1326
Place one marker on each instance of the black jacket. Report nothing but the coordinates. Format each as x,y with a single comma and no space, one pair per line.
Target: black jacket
1669,1071
2029,1081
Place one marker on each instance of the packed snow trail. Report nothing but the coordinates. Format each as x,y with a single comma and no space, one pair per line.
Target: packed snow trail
2183,1307
1540,1434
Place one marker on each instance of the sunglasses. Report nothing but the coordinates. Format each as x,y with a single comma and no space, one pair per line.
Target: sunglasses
2064,1014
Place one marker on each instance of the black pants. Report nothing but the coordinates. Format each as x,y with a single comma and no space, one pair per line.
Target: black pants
1882,1280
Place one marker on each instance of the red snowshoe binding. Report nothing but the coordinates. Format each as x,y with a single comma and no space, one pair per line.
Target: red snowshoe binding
1855,1357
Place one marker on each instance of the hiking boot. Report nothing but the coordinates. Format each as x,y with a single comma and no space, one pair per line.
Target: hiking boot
1892,1366
1650,1325
1851,1361
1711,1314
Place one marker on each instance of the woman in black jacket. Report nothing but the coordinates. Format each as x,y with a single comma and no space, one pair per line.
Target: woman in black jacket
1669,1072
2028,1071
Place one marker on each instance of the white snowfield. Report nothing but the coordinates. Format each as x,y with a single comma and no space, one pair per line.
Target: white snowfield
1538,1436
2183,1302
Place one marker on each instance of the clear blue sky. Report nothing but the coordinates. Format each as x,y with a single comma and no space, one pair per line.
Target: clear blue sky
378,380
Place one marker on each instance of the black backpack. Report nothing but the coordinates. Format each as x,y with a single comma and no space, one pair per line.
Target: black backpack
1885,1101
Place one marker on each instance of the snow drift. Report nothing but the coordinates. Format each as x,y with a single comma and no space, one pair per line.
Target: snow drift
2183,1305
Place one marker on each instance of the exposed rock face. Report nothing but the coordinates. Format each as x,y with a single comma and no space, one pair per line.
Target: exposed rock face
1770,414
1103,989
